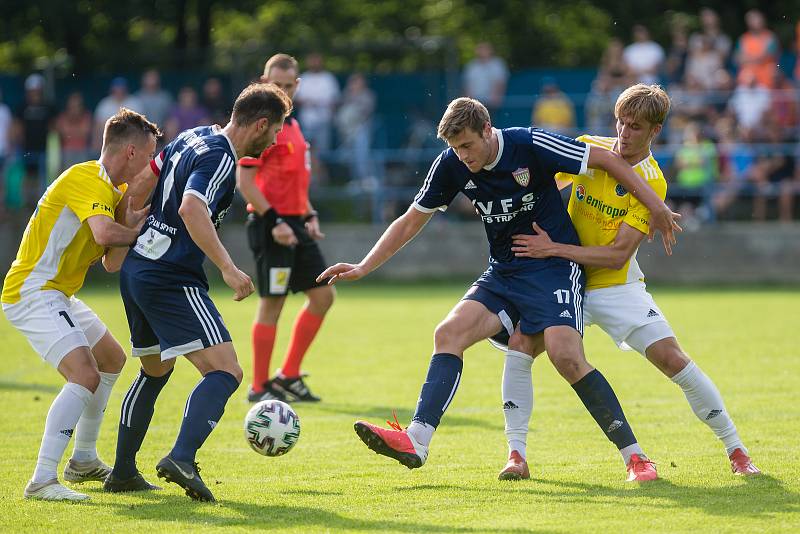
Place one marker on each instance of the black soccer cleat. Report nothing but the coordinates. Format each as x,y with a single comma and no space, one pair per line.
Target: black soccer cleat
270,393
293,389
186,475
113,484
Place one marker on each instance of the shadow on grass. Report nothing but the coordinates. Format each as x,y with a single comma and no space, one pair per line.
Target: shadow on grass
7,385
378,414
265,516
753,497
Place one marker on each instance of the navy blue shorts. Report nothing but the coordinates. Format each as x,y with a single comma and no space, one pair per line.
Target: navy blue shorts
536,299
171,319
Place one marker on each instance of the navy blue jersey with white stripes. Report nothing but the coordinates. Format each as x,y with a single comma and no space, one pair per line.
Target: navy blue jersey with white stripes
199,162
513,191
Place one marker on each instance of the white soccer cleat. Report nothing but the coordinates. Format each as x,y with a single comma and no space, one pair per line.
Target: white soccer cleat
79,472
52,490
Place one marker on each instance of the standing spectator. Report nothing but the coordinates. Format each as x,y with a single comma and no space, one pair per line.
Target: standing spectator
188,113
757,51
215,102
644,56
704,60
74,127
553,109
317,95
354,122
118,97
698,170
155,102
675,64
613,68
34,120
720,42
485,77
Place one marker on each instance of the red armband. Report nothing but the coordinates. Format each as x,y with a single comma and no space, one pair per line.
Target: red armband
248,161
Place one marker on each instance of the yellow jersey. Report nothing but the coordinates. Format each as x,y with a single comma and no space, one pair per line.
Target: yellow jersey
598,205
58,247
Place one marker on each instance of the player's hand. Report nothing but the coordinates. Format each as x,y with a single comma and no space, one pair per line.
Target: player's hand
284,235
666,222
532,246
342,271
135,218
238,280
312,226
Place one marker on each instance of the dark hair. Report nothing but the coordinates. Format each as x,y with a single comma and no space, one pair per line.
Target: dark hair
280,61
259,100
461,114
126,125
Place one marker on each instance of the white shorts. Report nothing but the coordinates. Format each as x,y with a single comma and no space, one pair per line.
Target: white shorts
55,324
621,310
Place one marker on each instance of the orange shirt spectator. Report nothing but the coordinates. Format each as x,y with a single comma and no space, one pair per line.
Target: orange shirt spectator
757,51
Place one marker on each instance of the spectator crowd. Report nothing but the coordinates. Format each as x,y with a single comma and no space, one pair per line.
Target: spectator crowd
730,147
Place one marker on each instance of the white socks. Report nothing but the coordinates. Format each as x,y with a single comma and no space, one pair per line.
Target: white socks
64,413
421,432
89,424
517,394
629,451
707,405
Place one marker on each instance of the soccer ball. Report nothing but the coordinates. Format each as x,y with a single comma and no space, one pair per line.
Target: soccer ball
271,428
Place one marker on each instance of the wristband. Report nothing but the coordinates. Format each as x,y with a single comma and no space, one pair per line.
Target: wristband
311,215
248,161
272,218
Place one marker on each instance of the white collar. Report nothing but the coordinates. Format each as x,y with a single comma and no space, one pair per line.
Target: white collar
500,144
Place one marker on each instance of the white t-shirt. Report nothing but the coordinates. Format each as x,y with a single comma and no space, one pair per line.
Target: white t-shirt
109,106
480,77
317,95
644,59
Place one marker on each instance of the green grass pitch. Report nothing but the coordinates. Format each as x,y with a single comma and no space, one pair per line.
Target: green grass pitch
371,358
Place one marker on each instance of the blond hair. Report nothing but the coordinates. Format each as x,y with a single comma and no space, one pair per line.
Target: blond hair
643,102
462,113
282,62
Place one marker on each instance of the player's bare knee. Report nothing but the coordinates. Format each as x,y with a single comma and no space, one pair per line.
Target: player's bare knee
237,372
86,376
153,366
530,345
447,338
668,357
320,300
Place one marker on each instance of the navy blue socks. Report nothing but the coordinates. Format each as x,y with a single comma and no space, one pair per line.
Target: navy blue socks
439,388
601,401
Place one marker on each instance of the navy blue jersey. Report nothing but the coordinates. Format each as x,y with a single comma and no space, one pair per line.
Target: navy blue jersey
513,191
199,162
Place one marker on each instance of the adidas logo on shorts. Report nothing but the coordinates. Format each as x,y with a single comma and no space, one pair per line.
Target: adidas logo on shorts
652,313
566,314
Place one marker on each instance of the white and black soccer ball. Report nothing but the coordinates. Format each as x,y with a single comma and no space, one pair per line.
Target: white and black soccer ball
271,427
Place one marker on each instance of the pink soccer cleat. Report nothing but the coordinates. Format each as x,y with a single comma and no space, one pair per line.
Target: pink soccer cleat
393,442
742,465
640,469
515,469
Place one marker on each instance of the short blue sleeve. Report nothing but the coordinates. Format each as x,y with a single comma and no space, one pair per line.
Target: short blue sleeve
211,178
439,188
557,153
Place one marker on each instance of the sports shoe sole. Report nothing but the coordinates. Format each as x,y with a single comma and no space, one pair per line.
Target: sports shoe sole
98,474
165,472
376,444
511,475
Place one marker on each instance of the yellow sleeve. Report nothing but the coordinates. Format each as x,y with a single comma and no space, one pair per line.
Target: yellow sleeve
638,215
87,196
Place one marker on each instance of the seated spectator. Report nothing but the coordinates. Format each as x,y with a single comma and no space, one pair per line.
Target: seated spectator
757,51
644,56
187,113
736,163
599,107
74,127
703,61
354,123
675,64
156,103
553,109
749,103
697,172
775,175
783,112
613,68
215,102
711,31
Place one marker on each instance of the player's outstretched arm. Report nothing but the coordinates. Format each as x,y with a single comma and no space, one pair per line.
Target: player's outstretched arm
613,256
662,218
400,232
194,213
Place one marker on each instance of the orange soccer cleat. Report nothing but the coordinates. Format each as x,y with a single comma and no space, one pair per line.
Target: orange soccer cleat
515,469
742,465
393,442
641,469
